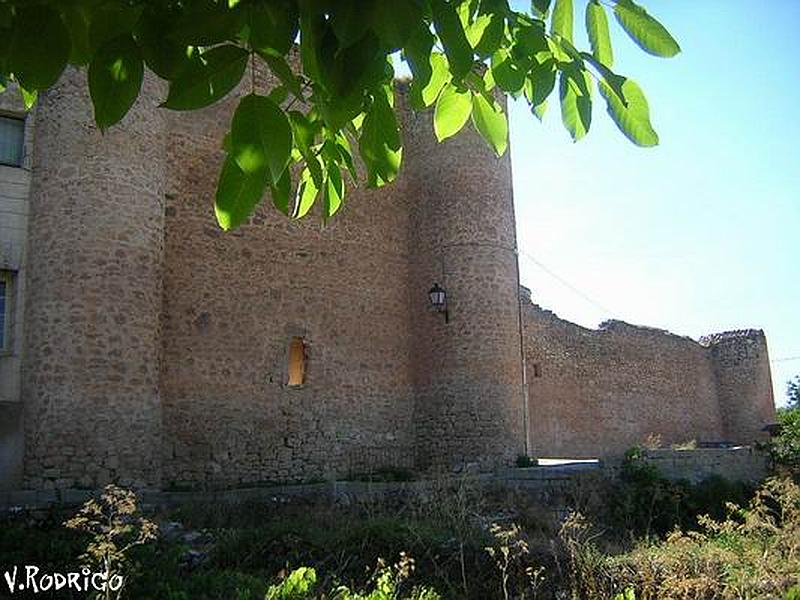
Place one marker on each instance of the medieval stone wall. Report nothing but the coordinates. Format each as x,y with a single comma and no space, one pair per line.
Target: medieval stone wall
234,301
156,346
468,368
93,298
599,392
744,383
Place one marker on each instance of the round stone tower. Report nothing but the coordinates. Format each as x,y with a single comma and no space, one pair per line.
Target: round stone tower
744,383
90,373
468,365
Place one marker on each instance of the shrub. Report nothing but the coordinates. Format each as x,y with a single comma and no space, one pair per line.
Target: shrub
785,446
523,461
116,527
753,553
646,504
387,583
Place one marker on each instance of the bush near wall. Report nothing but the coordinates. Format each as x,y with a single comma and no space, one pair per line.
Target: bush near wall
785,446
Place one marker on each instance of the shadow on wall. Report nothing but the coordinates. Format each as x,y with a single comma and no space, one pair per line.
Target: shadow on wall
11,446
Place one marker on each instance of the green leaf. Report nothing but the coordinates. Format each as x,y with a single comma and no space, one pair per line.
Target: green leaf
334,192
576,102
307,193
643,29
281,191
507,73
631,113
440,76
273,26
76,17
352,69
530,42
39,48
395,21
237,194
540,8
417,53
451,33
538,87
165,57
452,112
206,23
283,71
486,33
347,155
110,20
597,29
349,21
28,97
563,14
379,144
115,78
208,78
305,132
261,137
490,121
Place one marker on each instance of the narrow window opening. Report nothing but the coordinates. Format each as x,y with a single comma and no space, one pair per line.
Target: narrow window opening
537,370
297,361
12,138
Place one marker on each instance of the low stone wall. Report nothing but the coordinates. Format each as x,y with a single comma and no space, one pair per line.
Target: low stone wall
741,463
548,484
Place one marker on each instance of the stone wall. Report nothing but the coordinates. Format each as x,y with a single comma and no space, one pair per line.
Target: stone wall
599,392
744,383
93,299
468,366
156,346
742,463
234,301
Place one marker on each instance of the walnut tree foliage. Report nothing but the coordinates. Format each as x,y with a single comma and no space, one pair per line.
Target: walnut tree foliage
334,61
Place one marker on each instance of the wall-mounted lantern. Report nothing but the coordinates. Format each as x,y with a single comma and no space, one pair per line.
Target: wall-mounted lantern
438,298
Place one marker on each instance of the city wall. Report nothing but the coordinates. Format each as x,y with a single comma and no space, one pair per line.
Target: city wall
597,392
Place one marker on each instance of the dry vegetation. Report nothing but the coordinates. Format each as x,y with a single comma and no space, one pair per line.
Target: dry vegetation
640,537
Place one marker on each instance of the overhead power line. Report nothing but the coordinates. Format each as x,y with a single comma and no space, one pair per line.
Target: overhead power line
785,359
567,284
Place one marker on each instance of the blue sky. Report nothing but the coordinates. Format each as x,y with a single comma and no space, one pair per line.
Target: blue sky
701,234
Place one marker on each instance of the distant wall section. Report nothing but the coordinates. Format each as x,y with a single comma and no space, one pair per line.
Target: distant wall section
599,392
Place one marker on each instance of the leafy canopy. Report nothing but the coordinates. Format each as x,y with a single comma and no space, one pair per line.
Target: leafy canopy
334,61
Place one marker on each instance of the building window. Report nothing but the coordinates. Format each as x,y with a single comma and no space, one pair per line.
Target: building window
537,370
12,138
5,311
297,361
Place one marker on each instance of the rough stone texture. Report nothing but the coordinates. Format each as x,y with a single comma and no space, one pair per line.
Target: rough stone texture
744,383
467,371
90,374
599,392
234,301
743,463
556,487
156,346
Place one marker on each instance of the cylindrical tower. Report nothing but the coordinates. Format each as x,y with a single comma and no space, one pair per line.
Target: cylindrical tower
468,363
744,383
90,373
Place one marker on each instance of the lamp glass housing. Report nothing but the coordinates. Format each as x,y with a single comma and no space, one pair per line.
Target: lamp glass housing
437,296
